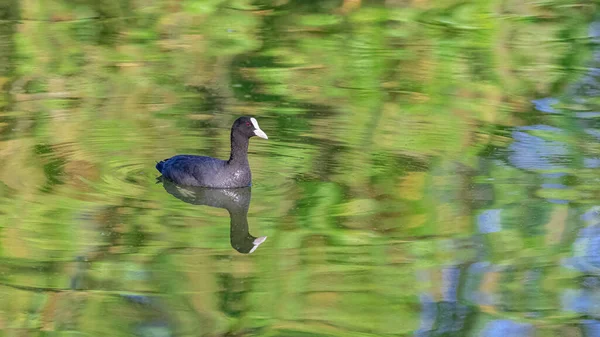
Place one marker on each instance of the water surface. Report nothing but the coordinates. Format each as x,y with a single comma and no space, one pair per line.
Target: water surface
432,168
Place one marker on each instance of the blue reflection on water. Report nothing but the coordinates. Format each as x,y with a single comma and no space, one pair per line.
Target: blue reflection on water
489,221
591,162
505,327
586,251
428,315
591,327
545,104
534,153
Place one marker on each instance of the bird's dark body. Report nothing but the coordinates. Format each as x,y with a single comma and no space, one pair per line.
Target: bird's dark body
202,171
189,170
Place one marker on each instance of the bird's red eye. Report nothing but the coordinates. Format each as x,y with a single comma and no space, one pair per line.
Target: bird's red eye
247,123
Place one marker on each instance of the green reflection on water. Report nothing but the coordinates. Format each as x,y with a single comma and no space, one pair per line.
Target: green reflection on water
408,185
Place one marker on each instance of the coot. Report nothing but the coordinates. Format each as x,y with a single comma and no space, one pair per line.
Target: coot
211,172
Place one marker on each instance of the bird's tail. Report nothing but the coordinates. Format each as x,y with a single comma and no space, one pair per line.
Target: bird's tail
160,164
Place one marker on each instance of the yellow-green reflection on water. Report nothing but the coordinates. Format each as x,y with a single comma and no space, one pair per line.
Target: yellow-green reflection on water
432,168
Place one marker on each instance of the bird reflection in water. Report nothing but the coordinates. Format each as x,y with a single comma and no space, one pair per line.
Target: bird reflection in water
235,200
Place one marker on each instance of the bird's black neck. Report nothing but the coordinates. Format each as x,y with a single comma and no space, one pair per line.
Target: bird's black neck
239,148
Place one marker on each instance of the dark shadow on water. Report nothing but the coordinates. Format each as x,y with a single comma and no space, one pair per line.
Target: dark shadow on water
235,200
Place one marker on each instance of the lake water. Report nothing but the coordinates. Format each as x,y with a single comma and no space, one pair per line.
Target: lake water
432,168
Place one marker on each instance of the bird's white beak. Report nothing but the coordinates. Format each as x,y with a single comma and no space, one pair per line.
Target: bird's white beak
257,130
257,243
